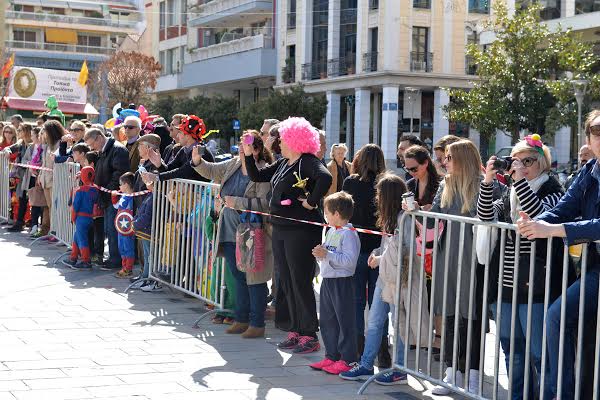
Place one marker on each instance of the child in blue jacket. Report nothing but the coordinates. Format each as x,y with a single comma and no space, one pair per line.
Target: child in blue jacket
82,215
124,226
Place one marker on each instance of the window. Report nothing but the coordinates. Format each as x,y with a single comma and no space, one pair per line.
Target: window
586,6
53,10
91,41
421,4
291,18
171,13
419,39
550,8
170,60
161,60
24,36
479,6
163,16
183,12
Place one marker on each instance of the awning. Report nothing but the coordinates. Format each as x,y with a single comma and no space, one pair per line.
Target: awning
38,105
56,35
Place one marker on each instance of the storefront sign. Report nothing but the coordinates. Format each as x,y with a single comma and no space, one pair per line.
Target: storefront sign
39,84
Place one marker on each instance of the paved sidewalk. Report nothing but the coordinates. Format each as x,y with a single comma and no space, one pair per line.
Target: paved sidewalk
75,335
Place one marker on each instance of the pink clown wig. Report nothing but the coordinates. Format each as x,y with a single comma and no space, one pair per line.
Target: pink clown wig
299,135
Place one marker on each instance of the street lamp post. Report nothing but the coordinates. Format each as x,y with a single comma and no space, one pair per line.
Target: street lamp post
580,88
411,95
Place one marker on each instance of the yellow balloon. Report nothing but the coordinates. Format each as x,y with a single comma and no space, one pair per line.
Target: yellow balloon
535,136
110,123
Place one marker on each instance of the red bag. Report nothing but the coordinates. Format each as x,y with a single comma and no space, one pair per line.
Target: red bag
430,235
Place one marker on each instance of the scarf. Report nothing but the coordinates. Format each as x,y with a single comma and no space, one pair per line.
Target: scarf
37,155
535,185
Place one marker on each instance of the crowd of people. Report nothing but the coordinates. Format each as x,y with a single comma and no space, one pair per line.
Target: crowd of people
281,171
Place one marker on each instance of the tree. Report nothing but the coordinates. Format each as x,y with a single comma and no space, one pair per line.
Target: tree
294,102
125,77
521,75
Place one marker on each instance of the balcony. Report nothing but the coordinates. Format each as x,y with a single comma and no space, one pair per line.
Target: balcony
370,62
314,70
171,82
426,4
230,12
21,17
421,62
470,66
291,20
341,66
71,48
234,46
238,60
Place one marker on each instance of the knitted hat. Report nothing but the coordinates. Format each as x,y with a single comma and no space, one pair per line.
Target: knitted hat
150,139
193,126
87,175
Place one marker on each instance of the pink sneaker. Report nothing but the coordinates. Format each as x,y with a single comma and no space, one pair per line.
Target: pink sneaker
326,362
337,367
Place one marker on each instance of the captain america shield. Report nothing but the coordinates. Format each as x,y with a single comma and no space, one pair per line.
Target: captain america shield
124,223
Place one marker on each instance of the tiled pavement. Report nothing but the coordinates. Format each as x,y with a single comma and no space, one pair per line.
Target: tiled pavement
75,335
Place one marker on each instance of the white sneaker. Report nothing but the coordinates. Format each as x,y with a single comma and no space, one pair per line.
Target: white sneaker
152,287
449,378
139,284
34,230
473,381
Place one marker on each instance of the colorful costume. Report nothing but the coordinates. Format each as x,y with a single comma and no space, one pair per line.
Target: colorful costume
124,226
82,215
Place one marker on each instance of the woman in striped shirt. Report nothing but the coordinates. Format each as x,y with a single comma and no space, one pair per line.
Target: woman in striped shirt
533,191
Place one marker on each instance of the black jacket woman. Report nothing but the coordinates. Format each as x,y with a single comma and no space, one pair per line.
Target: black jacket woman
298,183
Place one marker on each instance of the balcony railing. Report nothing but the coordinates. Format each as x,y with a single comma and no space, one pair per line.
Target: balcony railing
15,44
232,47
314,70
421,62
370,62
470,66
291,20
342,66
69,19
373,4
422,4
479,6
219,8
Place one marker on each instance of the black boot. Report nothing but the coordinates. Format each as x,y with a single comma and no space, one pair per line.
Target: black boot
360,341
384,360
17,227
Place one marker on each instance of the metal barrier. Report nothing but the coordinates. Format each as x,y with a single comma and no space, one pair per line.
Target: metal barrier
65,182
4,186
418,362
184,230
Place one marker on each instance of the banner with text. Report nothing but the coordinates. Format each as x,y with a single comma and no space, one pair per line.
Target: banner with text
39,83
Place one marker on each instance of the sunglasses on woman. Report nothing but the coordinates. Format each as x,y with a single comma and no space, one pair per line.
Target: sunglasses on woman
411,170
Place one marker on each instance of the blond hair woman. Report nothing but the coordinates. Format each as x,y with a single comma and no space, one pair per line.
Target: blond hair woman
457,195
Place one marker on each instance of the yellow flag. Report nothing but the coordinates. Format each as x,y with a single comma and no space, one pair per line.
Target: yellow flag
5,71
83,74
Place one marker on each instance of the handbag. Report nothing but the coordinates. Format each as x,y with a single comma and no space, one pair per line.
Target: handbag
430,234
485,242
250,243
36,197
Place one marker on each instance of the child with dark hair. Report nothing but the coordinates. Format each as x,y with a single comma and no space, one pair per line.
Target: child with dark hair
82,215
337,257
124,225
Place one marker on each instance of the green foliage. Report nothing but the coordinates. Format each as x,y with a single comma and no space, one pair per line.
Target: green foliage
217,112
521,76
283,104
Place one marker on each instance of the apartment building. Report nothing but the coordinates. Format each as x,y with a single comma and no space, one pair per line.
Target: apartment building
60,35
213,47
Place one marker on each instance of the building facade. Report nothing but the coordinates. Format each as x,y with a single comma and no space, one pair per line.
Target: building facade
60,34
209,47
383,64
